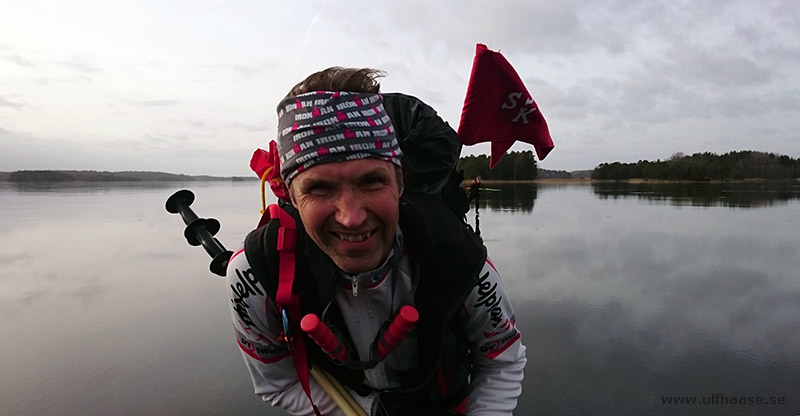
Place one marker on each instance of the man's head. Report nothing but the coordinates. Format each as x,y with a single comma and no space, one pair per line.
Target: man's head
341,161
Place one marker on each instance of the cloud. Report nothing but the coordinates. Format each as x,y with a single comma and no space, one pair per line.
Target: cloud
81,64
246,71
714,67
21,150
6,102
253,127
48,81
19,60
615,78
520,28
198,124
175,153
154,103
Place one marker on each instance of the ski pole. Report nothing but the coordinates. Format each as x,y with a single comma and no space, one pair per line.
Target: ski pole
200,230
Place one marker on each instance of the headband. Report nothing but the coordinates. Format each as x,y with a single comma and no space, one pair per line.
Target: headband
324,127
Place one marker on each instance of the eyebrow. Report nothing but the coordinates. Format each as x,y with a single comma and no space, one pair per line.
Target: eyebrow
321,180
310,183
374,172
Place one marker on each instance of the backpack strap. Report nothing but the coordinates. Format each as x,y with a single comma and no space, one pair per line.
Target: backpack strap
287,301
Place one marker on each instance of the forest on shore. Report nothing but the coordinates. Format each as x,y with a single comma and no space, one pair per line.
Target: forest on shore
26,176
731,166
514,166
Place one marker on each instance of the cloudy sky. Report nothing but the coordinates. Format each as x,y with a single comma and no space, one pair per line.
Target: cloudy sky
191,86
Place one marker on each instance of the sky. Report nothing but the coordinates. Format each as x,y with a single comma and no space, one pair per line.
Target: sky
191,87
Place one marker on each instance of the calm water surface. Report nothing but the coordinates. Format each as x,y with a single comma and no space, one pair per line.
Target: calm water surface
625,295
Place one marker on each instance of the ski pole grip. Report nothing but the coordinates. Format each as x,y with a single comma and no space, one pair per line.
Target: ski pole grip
398,329
324,337
200,231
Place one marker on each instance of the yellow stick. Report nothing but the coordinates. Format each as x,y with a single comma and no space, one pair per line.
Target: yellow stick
353,403
340,396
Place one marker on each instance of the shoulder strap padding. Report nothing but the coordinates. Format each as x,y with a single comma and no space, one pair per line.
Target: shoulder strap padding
452,256
261,249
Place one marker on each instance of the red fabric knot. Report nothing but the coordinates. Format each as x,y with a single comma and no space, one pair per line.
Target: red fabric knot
268,162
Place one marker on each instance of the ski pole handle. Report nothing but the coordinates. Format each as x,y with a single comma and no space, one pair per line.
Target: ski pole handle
398,329
200,230
324,337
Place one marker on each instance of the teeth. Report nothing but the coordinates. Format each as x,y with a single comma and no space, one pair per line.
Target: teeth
354,238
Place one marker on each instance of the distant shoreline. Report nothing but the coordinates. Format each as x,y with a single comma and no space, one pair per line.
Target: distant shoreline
589,181
91,176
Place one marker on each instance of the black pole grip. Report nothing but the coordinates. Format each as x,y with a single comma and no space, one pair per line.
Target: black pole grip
200,231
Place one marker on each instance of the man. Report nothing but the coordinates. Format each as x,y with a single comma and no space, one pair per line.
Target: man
366,249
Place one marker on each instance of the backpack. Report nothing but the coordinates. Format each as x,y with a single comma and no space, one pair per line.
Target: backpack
431,149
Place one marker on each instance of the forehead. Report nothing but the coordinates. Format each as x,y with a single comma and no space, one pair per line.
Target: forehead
345,170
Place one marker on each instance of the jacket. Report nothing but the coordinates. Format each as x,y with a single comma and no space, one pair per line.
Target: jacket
441,268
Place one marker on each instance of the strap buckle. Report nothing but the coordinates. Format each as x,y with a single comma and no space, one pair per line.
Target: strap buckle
286,335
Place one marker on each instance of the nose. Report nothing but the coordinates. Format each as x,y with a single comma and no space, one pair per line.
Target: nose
350,210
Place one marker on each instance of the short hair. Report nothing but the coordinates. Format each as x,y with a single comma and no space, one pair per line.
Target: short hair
364,80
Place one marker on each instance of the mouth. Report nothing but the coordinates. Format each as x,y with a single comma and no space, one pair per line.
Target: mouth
355,238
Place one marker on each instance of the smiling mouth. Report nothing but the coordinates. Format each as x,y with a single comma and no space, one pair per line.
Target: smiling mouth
355,238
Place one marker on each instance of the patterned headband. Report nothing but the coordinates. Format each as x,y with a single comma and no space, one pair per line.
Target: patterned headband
323,127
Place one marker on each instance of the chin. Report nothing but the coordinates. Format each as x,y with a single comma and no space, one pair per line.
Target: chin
356,267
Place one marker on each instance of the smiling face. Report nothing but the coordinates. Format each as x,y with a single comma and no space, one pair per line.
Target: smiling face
350,210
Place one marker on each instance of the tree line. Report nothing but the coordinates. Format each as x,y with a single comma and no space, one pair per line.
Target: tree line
701,194
706,166
513,166
24,176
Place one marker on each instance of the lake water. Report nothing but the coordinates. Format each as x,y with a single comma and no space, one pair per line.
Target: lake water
627,297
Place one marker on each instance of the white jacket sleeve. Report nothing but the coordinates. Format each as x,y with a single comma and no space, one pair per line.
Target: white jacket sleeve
257,324
496,347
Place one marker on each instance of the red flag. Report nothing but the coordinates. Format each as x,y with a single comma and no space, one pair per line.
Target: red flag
499,109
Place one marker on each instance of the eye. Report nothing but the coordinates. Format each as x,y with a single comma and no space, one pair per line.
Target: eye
373,182
319,189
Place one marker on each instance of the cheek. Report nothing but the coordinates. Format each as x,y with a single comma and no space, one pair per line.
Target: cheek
388,209
313,215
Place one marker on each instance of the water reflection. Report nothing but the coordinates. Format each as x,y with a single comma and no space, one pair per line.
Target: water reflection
736,195
623,303
522,196
620,301
508,196
105,307
601,360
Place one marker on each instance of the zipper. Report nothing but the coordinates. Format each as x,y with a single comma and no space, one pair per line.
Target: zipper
354,282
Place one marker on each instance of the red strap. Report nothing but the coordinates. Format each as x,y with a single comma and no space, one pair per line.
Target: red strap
265,217
287,245
299,352
284,298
